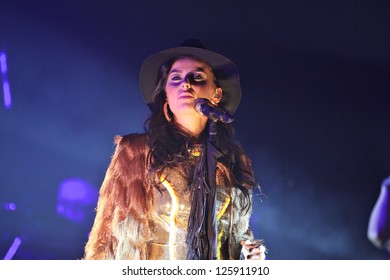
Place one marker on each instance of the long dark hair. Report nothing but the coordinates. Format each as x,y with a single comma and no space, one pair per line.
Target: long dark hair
169,146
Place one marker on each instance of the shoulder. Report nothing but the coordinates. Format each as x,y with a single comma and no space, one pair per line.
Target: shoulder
133,139
243,167
241,157
131,144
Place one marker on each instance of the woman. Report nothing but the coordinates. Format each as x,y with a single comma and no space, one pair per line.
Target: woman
160,198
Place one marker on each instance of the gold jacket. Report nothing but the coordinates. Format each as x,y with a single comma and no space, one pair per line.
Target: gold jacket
135,221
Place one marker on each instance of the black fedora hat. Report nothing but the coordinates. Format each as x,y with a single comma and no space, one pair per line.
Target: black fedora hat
224,69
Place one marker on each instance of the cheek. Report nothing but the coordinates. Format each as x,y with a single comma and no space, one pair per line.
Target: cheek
206,91
170,92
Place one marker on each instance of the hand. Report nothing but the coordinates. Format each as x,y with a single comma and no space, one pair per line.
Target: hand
253,250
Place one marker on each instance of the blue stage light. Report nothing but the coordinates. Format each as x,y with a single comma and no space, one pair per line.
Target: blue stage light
10,206
5,83
76,197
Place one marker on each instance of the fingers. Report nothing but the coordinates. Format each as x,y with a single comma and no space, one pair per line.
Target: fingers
253,251
249,245
257,253
255,257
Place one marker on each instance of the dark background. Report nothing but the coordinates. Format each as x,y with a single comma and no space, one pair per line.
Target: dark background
314,116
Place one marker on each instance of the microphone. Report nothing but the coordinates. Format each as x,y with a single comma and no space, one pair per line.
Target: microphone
204,107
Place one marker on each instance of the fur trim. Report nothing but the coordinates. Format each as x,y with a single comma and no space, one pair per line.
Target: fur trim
120,229
121,226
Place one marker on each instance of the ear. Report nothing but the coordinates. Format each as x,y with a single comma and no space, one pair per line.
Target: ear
217,96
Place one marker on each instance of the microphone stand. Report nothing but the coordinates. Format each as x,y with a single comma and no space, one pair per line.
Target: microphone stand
213,154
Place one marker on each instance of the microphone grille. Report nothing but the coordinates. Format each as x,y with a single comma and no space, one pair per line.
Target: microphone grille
198,104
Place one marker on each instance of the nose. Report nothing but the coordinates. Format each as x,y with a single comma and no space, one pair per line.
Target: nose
186,83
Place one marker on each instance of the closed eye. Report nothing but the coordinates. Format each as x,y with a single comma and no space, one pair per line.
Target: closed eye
175,77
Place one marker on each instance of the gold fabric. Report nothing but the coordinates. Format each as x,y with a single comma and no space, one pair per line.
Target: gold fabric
169,226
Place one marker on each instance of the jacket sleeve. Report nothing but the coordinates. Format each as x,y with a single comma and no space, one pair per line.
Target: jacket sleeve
242,203
240,225
120,226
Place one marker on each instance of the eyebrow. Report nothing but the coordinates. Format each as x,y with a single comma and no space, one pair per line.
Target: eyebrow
199,69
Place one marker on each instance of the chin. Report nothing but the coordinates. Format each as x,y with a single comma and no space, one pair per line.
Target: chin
186,111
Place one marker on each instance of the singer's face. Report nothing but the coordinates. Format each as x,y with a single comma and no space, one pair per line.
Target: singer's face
189,79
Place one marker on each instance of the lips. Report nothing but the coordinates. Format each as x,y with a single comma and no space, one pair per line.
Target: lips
185,95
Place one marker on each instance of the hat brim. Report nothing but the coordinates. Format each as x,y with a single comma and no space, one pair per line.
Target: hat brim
225,70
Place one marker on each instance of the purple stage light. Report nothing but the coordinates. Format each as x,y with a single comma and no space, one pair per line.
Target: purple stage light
7,95
5,83
12,250
76,198
10,206
3,63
